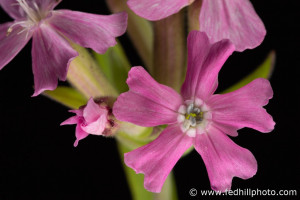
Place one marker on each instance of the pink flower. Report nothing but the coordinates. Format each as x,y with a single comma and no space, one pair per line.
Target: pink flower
51,51
235,20
196,117
90,119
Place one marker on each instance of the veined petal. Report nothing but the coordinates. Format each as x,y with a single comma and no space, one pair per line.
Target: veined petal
224,159
228,129
45,5
93,111
157,158
51,56
235,20
97,127
12,42
243,107
12,8
90,30
204,63
157,9
147,103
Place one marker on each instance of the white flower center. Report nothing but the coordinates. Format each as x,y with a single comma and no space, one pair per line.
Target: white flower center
194,117
33,13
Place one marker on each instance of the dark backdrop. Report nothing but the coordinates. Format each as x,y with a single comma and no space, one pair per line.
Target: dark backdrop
38,160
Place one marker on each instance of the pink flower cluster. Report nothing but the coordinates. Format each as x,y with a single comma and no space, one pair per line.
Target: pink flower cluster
196,117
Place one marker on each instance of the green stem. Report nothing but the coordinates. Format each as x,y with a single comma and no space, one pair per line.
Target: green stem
170,50
193,15
139,30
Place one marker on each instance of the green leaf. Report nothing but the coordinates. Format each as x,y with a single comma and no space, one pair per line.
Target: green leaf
115,65
67,96
136,183
263,71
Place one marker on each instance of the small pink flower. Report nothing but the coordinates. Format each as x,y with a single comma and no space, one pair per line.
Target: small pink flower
235,20
196,118
51,51
90,119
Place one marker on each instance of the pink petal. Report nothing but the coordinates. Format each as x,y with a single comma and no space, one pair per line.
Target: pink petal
204,63
12,8
147,103
93,111
157,158
228,129
157,9
51,56
89,30
80,134
71,120
12,43
78,112
97,127
224,159
243,107
235,20
45,5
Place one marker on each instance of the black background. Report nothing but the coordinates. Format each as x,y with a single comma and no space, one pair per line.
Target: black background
38,160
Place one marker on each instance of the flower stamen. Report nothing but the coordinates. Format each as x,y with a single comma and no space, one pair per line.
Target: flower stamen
194,115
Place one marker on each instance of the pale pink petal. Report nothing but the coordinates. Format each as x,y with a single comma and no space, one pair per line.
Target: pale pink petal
90,30
97,127
71,120
80,134
224,159
45,5
78,112
12,8
147,103
51,56
243,107
235,20
204,63
93,111
157,9
157,158
12,43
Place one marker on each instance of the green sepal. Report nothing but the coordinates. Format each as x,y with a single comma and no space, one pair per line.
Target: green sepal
263,71
115,66
67,96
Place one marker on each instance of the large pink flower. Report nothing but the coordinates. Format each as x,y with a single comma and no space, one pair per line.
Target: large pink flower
220,19
92,118
196,117
51,51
